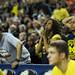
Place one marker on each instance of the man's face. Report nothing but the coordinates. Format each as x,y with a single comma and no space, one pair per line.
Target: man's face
53,56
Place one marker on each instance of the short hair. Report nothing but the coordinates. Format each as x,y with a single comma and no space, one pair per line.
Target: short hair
61,46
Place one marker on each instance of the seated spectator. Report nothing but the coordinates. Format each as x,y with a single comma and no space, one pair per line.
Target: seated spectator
23,37
30,45
18,53
13,30
70,36
50,28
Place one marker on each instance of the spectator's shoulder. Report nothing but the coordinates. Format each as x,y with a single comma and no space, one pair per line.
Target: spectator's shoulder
8,35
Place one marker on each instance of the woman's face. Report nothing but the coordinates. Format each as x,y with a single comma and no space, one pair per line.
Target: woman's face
48,25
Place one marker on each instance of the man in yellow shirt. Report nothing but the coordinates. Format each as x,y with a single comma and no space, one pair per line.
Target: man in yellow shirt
58,56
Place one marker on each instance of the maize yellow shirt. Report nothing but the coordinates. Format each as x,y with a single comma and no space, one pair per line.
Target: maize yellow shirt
70,70
15,9
60,14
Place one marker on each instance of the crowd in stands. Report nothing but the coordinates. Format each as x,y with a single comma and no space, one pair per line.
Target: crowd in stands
37,24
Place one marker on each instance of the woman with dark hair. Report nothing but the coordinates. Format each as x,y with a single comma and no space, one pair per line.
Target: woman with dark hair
51,26
50,29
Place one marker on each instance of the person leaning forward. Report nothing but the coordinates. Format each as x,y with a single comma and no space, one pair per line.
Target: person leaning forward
18,53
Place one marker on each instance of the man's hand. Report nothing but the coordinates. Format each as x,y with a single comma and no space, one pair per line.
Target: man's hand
15,64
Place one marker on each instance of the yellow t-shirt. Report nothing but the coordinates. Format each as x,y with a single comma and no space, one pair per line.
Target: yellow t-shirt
60,14
15,9
70,70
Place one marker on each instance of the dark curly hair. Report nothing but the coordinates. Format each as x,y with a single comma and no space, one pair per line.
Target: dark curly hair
55,29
